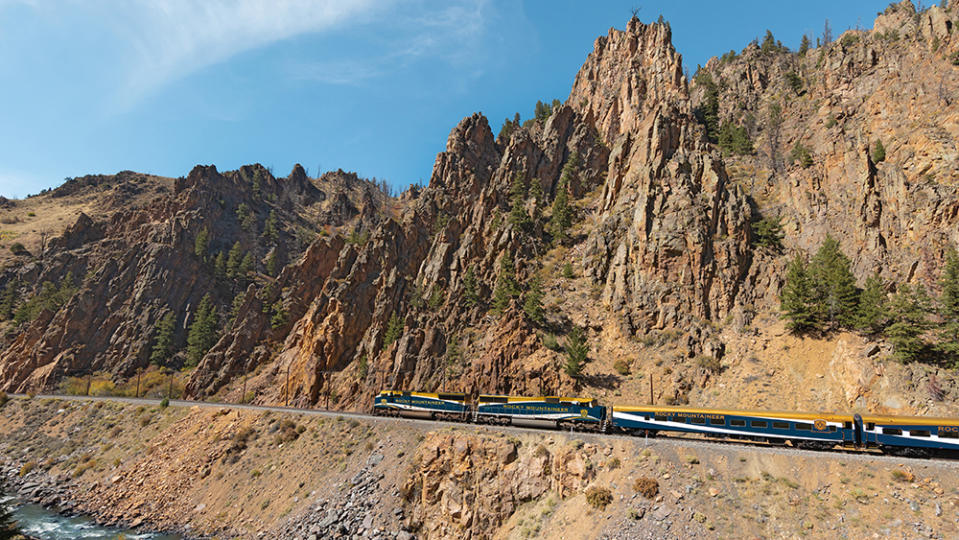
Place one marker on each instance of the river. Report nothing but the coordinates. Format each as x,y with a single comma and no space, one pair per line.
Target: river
38,522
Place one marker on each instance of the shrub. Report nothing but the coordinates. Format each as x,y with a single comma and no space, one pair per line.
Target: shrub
710,363
900,475
27,467
568,270
647,487
801,155
287,432
577,350
3,398
768,233
954,58
32,214
613,464
164,403
17,249
878,152
550,342
831,122
598,497
622,367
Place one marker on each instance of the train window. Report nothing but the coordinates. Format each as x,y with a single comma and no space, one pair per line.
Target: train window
697,420
948,434
831,428
717,422
737,423
758,423
780,425
870,426
552,400
803,427
891,431
661,418
919,432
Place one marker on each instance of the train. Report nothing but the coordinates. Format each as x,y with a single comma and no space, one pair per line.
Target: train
901,435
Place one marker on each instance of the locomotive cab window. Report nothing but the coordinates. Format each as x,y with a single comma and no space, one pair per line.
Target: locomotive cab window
891,431
737,423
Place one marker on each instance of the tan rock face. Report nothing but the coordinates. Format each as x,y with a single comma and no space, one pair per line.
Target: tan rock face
466,485
672,240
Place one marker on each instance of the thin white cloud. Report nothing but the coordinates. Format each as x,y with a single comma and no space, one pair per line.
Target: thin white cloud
169,39
450,32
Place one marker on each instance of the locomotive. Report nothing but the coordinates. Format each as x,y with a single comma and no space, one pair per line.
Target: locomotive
908,435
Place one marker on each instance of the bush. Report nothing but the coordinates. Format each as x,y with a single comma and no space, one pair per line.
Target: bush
3,398
551,343
622,367
801,155
164,403
17,249
27,467
900,475
954,58
598,497
710,363
568,270
647,487
878,152
768,233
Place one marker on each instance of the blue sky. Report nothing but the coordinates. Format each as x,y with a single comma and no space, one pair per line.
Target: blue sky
374,86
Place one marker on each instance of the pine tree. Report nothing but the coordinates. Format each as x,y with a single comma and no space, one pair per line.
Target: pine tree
233,261
873,311
163,342
9,300
878,152
238,301
769,42
219,265
517,212
272,264
203,331
470,287
804,45
948,334
533,302
909,310
708,112
394,329
246,216
562,217
506,286
201,243
271,228
536,193
246,266
796,298
834,286
577,351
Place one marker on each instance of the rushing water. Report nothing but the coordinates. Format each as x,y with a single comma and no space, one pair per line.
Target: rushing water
39,522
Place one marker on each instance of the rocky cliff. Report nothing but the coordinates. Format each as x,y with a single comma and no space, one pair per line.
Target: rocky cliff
660,265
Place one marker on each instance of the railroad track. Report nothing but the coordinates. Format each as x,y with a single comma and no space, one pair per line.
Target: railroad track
654,442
